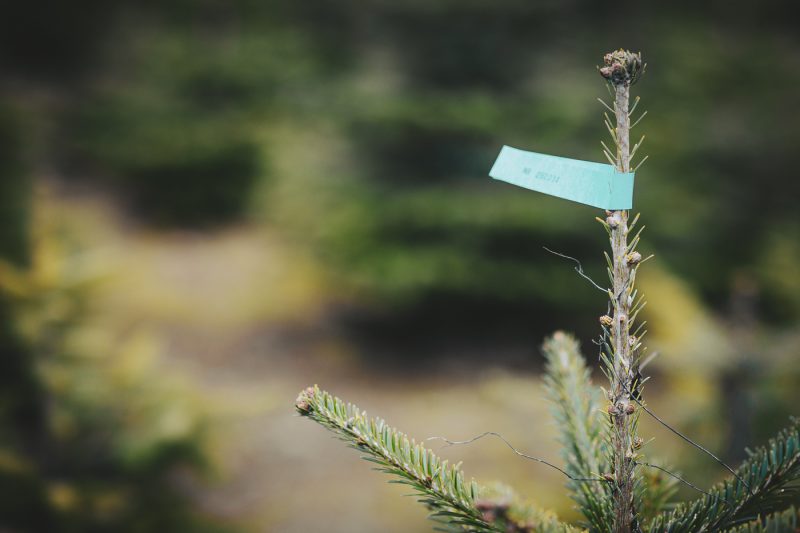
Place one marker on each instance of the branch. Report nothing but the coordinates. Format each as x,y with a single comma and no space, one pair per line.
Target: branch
766,482
441,487
503,508
575,406
784,522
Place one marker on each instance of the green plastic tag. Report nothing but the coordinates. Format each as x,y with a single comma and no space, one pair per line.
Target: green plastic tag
594,184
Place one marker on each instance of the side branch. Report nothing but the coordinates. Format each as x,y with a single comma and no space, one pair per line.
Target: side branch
767,482
442,488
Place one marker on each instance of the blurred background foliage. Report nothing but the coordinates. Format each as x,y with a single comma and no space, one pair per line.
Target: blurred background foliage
98,424
263,194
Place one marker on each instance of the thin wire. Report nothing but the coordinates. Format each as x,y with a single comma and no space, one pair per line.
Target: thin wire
578,269
678,433
526,456
687,439
521,454
551,465
690,441
679,478
731,508
699,447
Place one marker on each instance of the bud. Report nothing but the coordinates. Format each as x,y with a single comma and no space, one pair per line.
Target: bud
633,258
303,401
606,320
632,340
629,409
622,67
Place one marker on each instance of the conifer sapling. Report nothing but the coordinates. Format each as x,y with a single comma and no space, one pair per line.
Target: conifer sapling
614,487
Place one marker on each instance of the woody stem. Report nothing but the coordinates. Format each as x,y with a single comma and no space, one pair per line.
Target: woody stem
622,378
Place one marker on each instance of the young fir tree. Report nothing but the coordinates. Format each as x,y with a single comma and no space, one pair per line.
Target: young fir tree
615,488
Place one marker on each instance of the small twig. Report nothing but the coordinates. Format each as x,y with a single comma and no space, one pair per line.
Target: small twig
578,269
521,454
